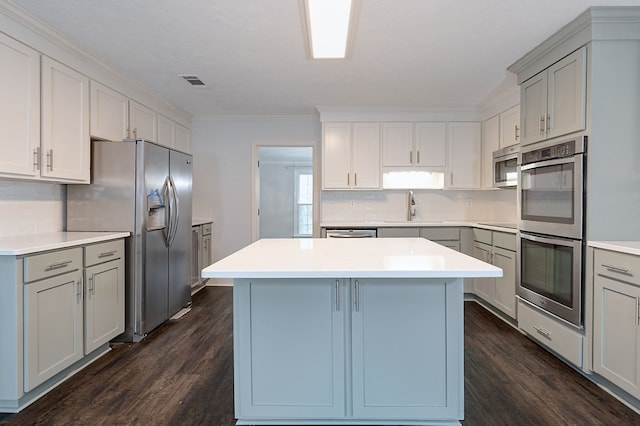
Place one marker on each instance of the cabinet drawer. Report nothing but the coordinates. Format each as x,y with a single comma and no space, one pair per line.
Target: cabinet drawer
206,229
504,240
398,232
560,338
482,235
58,262
103,252
619,266
437,233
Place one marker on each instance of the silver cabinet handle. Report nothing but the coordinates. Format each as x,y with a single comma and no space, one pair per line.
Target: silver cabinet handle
36,158
548,122
355,179
347,178
410,157
543,332
59,265
357,295
418,155
337,295
541,124
79,285
616,268
50,160
91,289
106,254
516,131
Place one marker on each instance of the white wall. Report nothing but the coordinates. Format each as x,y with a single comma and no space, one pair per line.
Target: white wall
222,170
30,208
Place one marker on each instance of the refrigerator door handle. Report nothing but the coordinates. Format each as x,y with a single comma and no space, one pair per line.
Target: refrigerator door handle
166,194
174,211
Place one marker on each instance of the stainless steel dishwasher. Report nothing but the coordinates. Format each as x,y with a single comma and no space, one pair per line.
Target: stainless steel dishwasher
352,233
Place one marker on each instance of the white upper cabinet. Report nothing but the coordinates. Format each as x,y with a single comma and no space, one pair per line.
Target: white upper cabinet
553,102
109,113
490,143
173,135
351,156
183,139
410,145
143,122
510,127
65,144
20,109
464,162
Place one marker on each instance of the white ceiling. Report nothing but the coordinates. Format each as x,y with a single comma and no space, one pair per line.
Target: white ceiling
428,54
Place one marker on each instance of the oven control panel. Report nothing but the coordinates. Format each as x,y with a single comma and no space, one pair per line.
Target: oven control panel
565,149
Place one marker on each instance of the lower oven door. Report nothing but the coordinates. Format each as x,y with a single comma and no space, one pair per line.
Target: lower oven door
551,274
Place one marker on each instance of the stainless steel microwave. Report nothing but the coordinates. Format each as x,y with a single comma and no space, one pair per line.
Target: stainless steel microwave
505,167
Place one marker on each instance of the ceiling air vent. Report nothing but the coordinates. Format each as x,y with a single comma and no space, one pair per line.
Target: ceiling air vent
193,80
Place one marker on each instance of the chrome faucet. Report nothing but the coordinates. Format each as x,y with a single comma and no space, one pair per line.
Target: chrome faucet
411,206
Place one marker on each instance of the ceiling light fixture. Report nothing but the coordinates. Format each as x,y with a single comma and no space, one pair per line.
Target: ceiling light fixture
329,27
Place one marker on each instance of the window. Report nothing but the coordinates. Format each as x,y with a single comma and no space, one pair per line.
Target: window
304,202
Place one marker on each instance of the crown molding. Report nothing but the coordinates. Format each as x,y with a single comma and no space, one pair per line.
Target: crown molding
283,117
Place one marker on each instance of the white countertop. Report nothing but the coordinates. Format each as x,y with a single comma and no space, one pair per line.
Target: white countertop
351,258
630,247
26,244
492,225
200,220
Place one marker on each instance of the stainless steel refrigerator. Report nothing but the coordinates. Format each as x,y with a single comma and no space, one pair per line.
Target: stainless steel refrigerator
145,189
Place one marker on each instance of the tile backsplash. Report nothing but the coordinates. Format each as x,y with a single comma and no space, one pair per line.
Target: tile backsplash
431,205
31,207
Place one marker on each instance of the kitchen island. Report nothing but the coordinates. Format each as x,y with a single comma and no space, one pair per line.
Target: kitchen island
364,331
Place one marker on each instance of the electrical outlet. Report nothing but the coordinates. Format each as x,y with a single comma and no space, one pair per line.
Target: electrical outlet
352,203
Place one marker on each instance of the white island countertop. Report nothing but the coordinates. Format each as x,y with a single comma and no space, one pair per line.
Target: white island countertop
351,258
33,243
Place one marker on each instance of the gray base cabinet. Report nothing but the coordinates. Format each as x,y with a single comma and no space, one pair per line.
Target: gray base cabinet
616,329
58,312
347,351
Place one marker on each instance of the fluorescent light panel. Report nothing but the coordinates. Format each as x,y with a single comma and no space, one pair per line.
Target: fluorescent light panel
328,24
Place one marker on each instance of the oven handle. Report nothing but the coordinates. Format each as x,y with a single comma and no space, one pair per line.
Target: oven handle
546,163
556,241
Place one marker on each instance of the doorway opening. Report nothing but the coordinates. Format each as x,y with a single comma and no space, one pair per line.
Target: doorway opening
284,192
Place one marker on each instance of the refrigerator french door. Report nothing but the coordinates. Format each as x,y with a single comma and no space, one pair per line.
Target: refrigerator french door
144,189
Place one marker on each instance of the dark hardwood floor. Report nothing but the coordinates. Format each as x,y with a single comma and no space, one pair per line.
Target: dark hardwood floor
182,374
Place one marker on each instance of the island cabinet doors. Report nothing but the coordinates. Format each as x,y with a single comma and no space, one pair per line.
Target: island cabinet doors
407,349
289,347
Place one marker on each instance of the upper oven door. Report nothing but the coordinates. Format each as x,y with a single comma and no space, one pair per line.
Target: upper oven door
551,197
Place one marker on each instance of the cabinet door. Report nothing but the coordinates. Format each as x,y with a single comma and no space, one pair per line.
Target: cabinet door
19,109
195,255
65,123
397,144
484,287
206,250
166,132
53,327
104,304
143,122
464,163
490,143
505,286
430,145
567,95
183,139
336,156
510,127
533,105
403,364
366,156
109,113
290,350
616,351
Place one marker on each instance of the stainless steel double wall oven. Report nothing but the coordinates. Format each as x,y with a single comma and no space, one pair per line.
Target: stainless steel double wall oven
551,221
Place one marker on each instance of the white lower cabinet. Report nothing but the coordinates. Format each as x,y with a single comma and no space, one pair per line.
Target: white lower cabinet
347,350
53,314
616,329
104,293
499,249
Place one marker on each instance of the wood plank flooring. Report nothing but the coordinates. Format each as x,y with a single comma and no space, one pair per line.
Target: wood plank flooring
182,374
